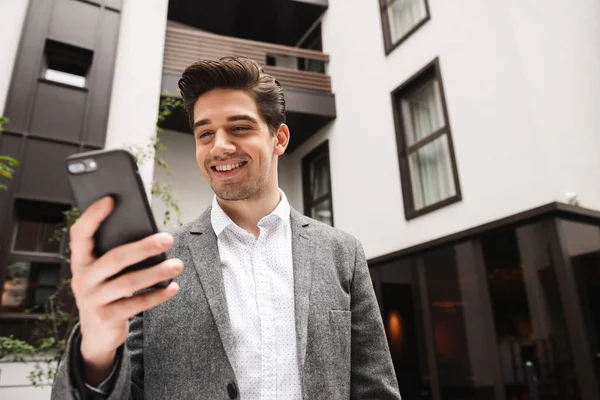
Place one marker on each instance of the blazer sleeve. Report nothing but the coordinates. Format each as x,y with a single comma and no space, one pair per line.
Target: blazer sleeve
372,373
126,381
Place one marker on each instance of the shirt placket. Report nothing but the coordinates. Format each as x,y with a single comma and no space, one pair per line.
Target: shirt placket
267,319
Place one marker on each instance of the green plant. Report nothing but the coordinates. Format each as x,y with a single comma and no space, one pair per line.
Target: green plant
7,164
52,330
152,150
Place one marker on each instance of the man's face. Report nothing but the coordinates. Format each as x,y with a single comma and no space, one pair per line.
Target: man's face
234,149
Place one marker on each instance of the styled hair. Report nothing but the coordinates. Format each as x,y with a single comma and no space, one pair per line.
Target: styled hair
234,73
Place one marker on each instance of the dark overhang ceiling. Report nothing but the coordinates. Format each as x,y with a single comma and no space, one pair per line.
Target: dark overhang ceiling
274,21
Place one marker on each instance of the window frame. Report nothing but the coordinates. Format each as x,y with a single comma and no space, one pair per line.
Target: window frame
80,57
429,71
321,150
385,25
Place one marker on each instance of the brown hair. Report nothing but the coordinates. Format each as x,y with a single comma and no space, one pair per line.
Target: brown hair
234,73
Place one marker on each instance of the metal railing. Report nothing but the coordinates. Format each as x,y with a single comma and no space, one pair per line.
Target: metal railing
185,46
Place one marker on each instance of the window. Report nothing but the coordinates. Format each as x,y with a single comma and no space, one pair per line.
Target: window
427,164
66,64
34,261
316,182
401,304
400,18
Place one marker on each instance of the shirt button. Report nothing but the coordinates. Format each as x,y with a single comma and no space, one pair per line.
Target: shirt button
232,390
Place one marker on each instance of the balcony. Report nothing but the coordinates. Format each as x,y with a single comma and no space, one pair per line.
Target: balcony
309,101
273,21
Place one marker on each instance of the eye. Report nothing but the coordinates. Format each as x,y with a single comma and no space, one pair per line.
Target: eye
241,128
203,135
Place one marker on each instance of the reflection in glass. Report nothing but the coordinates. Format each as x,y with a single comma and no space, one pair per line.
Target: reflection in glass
404,328
34,236
528,313
464,369
28,285
320,177
583,248
322,212
28,233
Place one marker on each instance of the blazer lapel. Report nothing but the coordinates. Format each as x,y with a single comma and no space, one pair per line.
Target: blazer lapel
202,243
303,250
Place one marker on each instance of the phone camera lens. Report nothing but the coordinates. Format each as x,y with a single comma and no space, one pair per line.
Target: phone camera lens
90,165
76,168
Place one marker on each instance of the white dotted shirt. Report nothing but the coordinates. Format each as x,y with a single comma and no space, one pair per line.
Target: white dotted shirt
259,288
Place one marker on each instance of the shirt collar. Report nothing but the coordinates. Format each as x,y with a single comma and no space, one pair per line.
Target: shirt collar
220,220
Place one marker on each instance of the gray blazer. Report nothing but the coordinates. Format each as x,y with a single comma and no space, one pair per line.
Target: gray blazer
182,349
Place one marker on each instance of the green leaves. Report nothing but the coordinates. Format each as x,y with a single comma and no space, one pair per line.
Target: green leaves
164,192
3,120
7,164
14,348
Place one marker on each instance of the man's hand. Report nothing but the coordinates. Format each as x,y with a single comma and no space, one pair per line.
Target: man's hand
106,305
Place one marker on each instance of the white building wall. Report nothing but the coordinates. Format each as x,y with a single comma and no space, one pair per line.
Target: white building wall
559,50
500,126
138,74
12,18
14,383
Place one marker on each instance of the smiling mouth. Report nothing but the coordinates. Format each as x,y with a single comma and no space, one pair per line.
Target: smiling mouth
228,167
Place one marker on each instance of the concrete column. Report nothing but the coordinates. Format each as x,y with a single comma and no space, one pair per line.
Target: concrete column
12,18
137,80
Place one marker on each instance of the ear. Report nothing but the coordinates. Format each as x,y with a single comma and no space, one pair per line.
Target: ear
282,139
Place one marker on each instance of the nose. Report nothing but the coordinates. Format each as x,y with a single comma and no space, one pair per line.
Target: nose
222,144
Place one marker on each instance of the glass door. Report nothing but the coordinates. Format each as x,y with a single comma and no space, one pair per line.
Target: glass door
582,245
532,337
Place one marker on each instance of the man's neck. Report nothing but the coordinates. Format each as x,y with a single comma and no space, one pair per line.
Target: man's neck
247,213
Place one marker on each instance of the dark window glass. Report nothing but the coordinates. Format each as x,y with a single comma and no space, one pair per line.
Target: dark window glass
28,285
582,243
67,64
34,236
528,313
28,236
317,185
403,319
313,42
464,369
48,245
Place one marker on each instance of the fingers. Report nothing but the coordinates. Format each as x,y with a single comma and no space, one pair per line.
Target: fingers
129,307
82,233
126,255
129,283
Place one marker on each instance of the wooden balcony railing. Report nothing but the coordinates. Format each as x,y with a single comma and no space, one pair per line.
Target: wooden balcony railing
185,46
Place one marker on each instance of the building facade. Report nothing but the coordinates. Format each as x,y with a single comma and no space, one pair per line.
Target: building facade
457,143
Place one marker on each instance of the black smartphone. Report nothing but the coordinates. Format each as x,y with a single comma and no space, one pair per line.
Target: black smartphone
114,173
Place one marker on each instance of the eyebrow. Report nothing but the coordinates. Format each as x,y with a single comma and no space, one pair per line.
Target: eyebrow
233,118
242,117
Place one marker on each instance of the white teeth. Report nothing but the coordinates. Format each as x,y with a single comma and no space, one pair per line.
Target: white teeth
228,167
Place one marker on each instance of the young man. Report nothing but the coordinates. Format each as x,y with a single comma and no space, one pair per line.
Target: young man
270,305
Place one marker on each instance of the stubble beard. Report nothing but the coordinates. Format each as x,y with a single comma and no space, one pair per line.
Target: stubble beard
246,189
